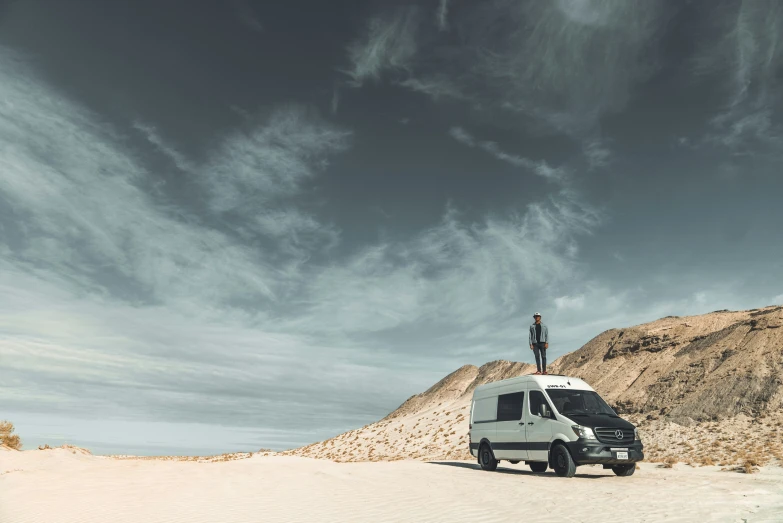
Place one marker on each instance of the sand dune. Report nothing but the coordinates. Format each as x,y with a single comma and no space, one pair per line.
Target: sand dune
703,389
61,487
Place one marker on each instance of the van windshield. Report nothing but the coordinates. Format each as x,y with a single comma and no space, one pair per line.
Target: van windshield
579,402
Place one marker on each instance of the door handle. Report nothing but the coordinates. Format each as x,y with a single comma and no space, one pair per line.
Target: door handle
530,423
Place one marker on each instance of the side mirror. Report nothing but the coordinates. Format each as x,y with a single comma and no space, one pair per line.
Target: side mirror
543,411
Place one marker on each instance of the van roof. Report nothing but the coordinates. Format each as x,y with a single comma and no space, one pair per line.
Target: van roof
541,380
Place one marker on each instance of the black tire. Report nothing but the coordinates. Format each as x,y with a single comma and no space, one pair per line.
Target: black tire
538,466
513,461
624,470
562,462
486,458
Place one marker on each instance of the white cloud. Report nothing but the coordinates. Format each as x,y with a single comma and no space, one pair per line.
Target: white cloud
462,136
78,206
436,86
565,63
587,12
541,168
269,161
570,302
152,136
115,300
749,56
452,274
442,15
596,153
389,42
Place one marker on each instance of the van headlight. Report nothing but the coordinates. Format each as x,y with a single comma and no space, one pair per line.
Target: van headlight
636,435
583,432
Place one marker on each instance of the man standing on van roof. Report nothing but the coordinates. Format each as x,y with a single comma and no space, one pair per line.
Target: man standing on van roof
539,342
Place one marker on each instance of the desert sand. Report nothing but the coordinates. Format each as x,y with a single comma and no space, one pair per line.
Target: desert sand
60,486
706,392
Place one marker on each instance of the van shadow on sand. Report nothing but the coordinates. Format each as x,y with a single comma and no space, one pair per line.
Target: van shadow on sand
515,472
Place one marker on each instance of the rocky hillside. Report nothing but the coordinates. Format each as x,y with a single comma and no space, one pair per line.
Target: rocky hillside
701,388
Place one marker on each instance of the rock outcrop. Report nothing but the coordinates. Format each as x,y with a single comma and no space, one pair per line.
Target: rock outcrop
717,375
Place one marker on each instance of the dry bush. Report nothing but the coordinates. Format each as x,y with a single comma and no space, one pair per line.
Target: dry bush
669,462
6,436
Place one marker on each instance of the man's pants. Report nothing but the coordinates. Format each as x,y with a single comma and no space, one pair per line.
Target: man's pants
539,349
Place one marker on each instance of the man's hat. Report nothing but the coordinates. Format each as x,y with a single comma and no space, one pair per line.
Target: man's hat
537,314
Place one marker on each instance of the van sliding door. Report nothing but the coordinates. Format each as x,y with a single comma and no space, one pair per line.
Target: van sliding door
539,429
509,430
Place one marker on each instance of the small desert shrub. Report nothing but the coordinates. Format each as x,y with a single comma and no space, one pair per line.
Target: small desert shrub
6,436
669,462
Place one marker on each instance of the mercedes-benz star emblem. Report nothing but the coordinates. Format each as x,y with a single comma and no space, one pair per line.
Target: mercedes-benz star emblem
618,434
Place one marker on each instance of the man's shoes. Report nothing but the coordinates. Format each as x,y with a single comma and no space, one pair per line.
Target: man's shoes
538,372
545,372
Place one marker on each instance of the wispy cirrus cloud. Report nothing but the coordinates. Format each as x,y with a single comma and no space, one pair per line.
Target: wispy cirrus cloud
540,168
120,299
597,153
436,86
748,55
116,299
247,15
251,172
442,15
388,42
454,275
153,136
561,66
75,200
269,160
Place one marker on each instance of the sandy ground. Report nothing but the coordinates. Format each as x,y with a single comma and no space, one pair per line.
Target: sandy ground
59,486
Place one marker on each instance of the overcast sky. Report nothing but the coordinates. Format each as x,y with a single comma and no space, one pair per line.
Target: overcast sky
234,225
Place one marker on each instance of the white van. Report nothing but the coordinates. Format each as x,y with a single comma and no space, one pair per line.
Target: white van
550,421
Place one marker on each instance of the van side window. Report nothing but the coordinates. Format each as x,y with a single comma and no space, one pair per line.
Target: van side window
510,406
536,399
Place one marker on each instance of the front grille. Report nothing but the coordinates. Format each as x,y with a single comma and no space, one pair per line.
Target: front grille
609,435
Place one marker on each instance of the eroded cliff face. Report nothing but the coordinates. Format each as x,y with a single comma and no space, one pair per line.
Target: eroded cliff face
723,370
704,368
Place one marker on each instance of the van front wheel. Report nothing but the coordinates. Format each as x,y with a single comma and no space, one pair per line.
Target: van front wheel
624,470
486,458
562,462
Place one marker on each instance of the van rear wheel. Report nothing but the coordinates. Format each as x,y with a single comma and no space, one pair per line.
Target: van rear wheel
624,470
486,458
538,466
562,462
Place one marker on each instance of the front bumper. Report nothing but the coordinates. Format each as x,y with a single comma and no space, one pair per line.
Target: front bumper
587,452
